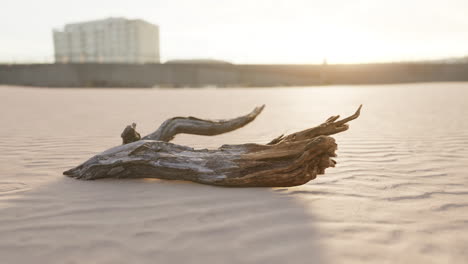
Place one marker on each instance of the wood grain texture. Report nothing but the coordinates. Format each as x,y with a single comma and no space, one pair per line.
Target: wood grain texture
286,161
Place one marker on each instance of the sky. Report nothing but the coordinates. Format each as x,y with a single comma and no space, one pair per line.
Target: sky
256,31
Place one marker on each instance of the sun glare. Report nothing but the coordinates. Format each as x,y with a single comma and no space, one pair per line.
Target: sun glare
309,44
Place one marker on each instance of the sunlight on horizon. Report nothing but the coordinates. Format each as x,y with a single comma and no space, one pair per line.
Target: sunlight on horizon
294,31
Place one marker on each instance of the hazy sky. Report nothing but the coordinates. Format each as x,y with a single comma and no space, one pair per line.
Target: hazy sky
255,31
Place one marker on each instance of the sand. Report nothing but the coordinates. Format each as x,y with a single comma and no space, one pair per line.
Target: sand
398,194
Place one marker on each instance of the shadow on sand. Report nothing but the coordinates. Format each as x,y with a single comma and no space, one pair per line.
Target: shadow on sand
154,221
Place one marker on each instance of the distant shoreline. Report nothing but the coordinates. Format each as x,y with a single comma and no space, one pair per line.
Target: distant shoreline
226,75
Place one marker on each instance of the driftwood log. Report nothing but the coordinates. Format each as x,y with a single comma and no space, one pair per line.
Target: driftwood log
286,161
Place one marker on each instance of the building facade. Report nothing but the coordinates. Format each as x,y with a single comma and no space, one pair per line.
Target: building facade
112,40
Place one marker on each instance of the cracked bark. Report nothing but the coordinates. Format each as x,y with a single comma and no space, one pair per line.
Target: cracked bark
288,160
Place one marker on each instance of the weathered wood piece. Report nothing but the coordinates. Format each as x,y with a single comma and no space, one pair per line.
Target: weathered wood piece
197,126
286,161
130,134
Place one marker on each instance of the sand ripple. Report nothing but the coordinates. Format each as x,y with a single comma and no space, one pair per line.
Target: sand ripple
398,194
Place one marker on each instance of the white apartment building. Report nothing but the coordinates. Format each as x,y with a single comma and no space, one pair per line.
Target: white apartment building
112,40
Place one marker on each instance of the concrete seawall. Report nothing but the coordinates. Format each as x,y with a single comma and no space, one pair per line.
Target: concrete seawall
199,75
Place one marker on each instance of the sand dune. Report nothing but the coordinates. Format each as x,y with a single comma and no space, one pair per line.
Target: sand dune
398,194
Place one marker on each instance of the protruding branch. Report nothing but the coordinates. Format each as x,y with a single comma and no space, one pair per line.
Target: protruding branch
330,127
349,118
130,134
192,125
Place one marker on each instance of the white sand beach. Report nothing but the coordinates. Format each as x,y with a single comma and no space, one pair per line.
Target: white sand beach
399,193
